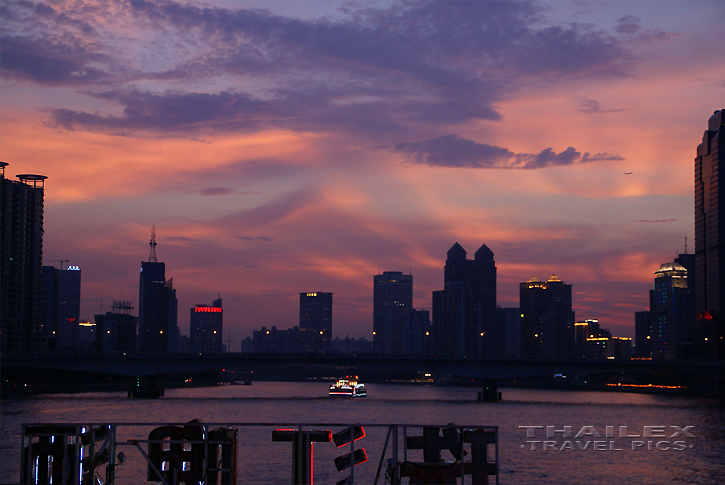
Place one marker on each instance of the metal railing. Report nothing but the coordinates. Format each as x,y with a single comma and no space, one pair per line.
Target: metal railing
208,453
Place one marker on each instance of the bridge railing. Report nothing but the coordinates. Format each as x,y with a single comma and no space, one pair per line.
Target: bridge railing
223,453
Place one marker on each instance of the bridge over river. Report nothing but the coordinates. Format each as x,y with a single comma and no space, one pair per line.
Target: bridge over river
148,368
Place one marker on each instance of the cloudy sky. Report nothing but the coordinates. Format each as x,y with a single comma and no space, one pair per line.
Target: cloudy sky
291,146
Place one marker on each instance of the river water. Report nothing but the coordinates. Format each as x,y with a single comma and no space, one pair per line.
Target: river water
622,437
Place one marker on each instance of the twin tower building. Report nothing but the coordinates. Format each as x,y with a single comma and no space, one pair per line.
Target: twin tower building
465,319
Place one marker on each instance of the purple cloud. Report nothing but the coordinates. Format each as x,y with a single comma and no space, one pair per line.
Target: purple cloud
453,151
591,106
216,191
629,26
52,64
257,238
381,71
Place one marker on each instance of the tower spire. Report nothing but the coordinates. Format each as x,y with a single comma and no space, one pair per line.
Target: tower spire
152,243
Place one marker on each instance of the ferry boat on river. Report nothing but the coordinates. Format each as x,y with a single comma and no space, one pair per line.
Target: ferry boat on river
348,387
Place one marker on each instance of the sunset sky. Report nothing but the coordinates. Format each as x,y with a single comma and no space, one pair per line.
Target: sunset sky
282,147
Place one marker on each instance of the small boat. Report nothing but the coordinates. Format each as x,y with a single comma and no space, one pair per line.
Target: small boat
348,387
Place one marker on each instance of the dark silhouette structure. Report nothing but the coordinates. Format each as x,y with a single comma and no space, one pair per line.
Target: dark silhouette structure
392,307
416,337
547,320
643,334
316,322
21,258
116,330
61,307
464,311
158,329
273,341
709,331
205,328
670,312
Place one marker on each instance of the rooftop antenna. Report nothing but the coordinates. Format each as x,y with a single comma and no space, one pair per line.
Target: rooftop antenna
61,261
152,243
685,244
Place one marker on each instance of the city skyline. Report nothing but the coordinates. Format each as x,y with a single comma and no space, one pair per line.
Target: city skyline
311,147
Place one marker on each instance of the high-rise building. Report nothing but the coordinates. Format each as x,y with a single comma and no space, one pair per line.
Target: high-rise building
670,312
532,302
709,330
547,319
115,332
87,336
511,338
392,305
615,348
316,322
61,306
273,341
416,334
464,311
583,331
558,322
205,328
21,258
157,325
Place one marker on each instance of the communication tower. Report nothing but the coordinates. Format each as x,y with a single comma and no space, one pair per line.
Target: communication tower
152,243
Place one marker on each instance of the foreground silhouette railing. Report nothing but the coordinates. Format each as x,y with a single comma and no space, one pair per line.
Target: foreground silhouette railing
200,454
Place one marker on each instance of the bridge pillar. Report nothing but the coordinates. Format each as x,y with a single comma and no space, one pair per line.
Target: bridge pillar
146,387
489,391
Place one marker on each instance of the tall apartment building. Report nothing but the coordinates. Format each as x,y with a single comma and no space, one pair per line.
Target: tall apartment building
158,307
464,312
709,328
21,258
547,319
61,306
670,312
316,322
416,333
206,327
392,307
115,332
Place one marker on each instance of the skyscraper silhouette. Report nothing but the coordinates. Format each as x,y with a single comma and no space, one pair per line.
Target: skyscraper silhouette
157,326
316,322
61,295
392,306
206,327
464,311
709,329
21,258
670,312
116,330
547,320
